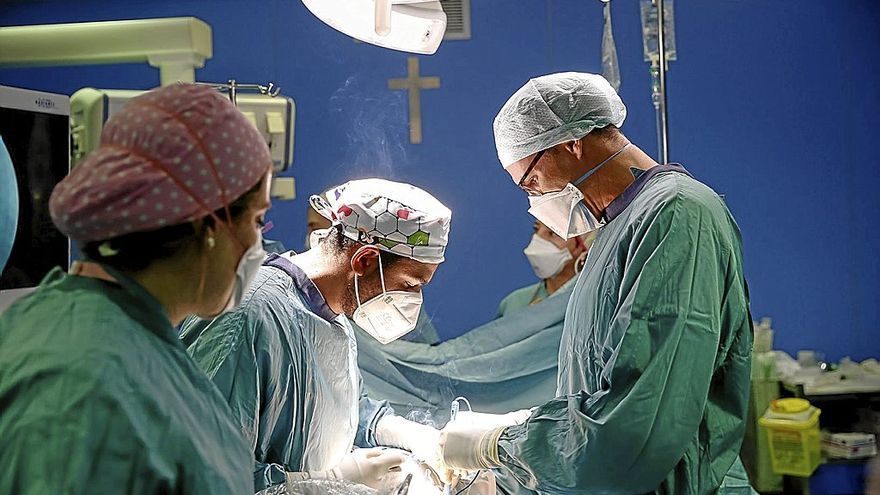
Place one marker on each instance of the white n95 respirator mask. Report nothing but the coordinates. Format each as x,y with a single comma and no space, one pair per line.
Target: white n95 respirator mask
390,315
246,272
545,257
564,211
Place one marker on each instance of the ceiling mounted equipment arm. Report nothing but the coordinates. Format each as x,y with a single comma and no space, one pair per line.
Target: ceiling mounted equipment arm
176,46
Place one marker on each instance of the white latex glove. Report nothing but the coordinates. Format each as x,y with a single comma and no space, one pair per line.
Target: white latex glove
370,467
468,446
422,440
479,424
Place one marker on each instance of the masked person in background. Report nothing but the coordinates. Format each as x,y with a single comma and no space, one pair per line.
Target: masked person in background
315,223
98,394
286,360
555,262
655,355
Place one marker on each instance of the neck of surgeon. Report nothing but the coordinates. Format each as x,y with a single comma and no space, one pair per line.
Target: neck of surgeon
555,282
609,181
328,275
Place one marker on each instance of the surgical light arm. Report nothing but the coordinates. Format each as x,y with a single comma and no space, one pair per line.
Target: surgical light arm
176,46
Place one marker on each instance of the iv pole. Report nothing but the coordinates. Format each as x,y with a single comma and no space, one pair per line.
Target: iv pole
658,73
659,67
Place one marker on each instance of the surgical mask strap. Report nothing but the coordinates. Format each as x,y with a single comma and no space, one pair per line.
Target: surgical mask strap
597,167
381,277
381,274
356,292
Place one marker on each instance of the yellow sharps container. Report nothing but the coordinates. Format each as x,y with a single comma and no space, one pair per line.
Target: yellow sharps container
793,434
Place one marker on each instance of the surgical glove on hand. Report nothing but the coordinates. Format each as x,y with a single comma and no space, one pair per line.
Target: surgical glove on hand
468,446
370,467
422,440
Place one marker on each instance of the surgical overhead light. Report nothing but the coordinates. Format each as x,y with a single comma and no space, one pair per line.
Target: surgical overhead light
415,26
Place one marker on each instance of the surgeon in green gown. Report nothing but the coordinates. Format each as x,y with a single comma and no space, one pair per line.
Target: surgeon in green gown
98,394
655,354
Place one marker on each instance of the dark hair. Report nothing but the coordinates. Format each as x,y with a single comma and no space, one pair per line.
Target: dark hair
340,244
607,132
135,251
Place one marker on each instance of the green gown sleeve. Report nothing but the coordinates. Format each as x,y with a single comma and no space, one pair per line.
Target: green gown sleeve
656,355
370,411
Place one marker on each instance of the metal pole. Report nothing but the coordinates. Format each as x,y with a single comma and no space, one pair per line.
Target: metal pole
655,99
662,130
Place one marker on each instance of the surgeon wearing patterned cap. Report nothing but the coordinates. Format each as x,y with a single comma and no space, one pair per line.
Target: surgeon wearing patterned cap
286,360
655,355
98,394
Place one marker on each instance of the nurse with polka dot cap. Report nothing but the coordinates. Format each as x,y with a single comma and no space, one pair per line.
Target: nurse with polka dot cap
99,394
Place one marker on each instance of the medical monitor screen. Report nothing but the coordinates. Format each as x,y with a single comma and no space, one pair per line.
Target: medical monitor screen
35,129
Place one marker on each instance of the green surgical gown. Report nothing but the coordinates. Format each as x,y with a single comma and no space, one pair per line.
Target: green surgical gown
655,354
288,368
99,396
530,295
522,298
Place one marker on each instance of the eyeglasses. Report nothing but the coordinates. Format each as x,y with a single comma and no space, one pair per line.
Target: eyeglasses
529,170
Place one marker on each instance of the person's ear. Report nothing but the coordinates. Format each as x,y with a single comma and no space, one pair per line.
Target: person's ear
576,148
205,233
365,261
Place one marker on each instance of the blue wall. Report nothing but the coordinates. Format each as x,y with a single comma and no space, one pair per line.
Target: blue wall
773,104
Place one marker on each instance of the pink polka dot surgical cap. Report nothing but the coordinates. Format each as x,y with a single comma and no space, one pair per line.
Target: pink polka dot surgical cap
172,155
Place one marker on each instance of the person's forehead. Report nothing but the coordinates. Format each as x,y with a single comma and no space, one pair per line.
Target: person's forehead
316,218
543,230
265,200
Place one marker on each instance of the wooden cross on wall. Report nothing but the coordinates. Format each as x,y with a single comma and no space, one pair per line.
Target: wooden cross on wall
413,83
